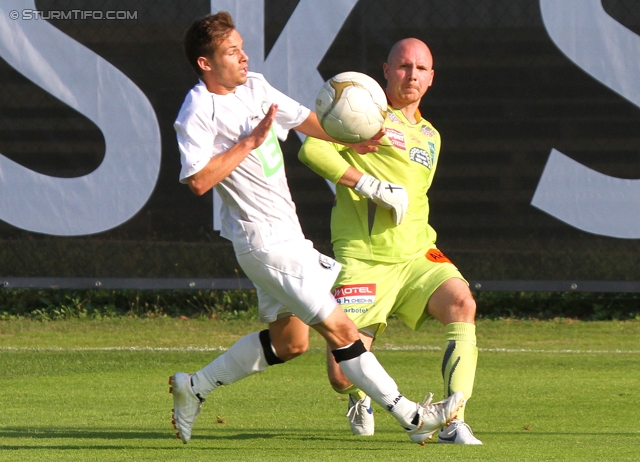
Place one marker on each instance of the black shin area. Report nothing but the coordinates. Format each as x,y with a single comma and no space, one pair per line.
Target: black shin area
270,356
353,351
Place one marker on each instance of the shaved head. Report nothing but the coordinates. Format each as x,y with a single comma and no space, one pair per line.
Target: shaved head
410,43
409,73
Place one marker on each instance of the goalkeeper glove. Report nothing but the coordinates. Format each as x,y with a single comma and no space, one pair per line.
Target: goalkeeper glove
388,195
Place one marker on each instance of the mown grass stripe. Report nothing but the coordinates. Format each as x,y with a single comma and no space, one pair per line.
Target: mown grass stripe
380,348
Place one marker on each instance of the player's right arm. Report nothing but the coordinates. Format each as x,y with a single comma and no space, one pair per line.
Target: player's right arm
324,158
219,167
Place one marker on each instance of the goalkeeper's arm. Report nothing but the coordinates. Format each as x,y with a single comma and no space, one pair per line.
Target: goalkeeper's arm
324,158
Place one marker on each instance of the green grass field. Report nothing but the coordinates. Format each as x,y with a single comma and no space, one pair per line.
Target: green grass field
97,390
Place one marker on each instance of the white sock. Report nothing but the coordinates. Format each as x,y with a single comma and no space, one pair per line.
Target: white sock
244,358
368,374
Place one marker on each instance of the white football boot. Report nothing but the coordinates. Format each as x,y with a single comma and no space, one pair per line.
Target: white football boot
361,416
186,405
458,432
432,417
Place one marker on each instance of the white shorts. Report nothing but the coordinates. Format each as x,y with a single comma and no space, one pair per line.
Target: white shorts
292,278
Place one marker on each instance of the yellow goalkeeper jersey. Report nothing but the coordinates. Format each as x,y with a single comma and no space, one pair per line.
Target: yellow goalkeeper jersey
359,228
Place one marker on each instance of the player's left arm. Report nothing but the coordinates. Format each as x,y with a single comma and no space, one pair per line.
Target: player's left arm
311,127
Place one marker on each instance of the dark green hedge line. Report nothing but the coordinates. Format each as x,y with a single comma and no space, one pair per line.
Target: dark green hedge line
601,306
58,304
228,304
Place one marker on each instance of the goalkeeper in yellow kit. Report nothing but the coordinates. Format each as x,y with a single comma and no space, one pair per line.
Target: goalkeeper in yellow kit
381,234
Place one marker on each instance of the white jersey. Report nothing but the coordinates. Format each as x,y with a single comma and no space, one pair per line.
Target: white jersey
257,208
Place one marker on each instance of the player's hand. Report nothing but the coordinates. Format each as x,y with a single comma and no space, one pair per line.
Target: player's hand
370,145
388,195
260,133
394,197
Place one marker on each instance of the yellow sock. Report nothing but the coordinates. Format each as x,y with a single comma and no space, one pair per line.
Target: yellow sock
353,391
459,360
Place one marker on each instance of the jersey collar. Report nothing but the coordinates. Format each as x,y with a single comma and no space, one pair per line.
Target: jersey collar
417,115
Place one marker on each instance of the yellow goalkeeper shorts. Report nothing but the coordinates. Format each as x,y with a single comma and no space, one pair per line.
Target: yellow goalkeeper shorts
371,291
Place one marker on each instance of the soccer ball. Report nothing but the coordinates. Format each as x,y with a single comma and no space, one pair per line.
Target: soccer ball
351,107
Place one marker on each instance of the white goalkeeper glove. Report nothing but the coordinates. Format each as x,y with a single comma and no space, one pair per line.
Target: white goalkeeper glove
387,195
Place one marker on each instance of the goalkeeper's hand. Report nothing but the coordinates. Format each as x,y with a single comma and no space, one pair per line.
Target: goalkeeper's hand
387,195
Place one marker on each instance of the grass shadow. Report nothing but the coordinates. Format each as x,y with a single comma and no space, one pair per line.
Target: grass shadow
116,434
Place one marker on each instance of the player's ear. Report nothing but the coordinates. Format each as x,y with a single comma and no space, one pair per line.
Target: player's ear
385,70
203,63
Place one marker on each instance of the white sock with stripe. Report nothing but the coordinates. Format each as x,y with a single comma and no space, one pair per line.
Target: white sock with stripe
367,373
245,357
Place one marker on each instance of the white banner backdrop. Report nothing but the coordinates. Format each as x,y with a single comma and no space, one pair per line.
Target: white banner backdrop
124,181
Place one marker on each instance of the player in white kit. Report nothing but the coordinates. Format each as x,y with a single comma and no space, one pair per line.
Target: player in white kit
228,130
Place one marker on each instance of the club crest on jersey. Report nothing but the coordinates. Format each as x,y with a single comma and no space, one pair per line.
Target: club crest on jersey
427,131
265,105
396,137
420,156
326,262
432,151
355,294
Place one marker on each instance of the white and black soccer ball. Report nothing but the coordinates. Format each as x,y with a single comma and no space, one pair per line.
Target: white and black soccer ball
351,107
